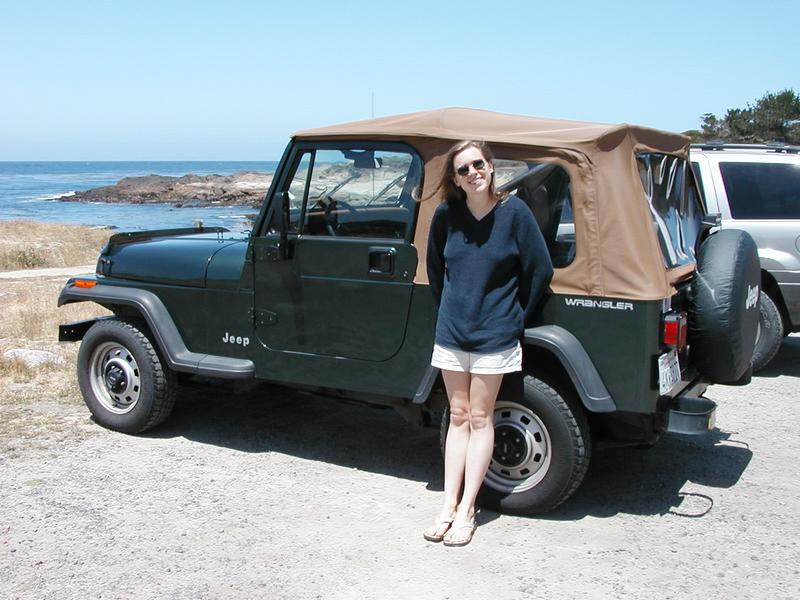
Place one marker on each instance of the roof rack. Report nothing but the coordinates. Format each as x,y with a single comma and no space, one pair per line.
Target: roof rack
769,147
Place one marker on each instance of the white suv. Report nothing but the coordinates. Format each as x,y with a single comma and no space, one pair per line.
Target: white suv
756,187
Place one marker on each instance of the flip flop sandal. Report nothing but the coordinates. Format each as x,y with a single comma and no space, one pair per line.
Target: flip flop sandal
442,526
465,527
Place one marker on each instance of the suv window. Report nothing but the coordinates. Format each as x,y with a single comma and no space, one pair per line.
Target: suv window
545,188
674,203
353,192
762,190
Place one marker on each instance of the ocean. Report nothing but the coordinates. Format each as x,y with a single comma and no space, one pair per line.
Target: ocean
29,190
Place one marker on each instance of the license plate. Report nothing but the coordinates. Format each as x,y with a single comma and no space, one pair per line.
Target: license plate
669,371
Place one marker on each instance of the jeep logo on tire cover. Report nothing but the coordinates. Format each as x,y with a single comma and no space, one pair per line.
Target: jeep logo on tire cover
752,297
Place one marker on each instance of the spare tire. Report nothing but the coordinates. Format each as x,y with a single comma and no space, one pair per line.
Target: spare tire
723,322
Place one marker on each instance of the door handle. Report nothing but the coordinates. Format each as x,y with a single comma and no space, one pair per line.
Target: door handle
381,261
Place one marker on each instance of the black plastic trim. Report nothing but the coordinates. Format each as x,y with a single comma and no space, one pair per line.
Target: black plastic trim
166,334
580,368
425,386
74,332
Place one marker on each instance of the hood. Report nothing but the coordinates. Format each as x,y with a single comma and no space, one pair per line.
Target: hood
171,256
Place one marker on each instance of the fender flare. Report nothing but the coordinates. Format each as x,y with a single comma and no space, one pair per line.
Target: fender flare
572,356
165,333
576,362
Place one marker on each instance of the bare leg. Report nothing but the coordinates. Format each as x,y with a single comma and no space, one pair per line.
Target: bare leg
455,452
458,435
482,396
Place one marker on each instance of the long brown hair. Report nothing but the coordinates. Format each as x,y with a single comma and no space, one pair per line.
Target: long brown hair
448,181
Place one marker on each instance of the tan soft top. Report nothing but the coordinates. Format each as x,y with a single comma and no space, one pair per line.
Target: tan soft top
617,250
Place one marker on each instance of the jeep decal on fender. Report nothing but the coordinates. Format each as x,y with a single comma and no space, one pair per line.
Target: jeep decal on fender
604,304
230,339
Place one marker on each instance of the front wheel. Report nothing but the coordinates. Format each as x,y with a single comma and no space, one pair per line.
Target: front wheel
541,452
123,380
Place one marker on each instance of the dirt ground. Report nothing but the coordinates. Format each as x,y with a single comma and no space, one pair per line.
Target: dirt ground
281,496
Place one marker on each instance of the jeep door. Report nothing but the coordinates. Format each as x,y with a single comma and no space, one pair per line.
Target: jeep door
338,282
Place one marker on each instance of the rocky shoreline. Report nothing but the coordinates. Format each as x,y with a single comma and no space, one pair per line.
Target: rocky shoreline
245,188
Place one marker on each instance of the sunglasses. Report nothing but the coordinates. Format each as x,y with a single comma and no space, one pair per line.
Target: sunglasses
478,165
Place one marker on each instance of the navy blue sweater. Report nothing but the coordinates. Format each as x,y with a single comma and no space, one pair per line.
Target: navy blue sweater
486,275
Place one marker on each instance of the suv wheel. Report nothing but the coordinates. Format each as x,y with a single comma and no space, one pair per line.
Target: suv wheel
541,450
123,379
770,332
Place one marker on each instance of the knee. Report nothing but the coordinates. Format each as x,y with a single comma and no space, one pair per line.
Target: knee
479,418
459,416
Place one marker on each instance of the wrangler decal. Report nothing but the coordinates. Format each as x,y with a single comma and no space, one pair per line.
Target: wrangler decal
604,304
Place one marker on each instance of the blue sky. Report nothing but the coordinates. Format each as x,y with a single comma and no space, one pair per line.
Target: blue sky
232,80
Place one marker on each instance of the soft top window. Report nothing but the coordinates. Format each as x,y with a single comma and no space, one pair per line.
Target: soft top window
545,188
674,204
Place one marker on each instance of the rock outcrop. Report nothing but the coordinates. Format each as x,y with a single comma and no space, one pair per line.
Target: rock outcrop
245,188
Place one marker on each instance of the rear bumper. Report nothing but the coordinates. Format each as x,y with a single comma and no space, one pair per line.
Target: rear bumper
691,415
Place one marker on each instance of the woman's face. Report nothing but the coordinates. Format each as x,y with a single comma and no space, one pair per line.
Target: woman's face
473,171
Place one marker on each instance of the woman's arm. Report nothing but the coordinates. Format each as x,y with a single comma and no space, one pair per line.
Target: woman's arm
436,241
537,268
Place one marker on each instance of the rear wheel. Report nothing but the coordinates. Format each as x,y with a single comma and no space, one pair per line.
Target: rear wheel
541,449
122,378
770,332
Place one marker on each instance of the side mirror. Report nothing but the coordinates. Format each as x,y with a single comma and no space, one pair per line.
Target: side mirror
279,224
709,222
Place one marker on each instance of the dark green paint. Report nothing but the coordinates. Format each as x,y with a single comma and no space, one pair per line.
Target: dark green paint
327,302
180,261
623,344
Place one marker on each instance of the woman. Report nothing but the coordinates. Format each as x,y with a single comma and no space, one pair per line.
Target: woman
487,266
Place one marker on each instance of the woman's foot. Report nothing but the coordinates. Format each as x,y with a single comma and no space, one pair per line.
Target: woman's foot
442,525
460,532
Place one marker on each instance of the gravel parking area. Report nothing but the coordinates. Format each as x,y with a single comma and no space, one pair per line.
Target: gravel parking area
282,496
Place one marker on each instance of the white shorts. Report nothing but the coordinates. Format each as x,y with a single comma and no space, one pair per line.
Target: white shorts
495,363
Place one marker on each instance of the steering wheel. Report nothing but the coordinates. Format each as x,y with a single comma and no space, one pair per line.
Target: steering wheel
345,205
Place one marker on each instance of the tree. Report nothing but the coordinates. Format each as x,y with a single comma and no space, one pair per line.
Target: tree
775,117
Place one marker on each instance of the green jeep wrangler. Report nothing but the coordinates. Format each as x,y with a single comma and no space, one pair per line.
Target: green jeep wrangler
329,293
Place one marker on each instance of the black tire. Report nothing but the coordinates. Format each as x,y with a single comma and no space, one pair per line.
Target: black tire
724,318
770,332
542,448
123,379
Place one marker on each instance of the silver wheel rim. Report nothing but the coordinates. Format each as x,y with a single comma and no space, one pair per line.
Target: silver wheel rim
522,452
115,378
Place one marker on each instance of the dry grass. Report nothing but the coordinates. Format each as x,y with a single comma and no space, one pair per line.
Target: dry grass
41,404
31,245
30,313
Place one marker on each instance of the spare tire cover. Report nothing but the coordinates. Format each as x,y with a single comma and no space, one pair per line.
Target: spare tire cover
724,318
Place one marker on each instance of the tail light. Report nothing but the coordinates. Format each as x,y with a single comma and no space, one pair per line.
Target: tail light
675,328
